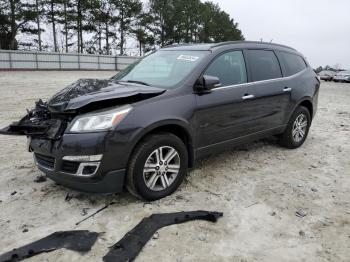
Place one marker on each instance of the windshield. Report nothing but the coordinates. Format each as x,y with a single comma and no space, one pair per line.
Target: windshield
163,68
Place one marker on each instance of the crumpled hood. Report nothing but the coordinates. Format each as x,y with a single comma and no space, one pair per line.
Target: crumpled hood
87,91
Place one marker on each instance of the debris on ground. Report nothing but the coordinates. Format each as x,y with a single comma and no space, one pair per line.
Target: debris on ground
93,214
156,235
78,240
127,248
301,213
40,179
70,196
202,236
84,211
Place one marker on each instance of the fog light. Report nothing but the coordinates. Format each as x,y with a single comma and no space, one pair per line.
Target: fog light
88,169
87,158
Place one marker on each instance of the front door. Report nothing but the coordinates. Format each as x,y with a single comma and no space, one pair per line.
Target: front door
227,112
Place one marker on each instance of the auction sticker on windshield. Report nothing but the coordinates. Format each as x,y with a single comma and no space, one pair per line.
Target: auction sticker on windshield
188,58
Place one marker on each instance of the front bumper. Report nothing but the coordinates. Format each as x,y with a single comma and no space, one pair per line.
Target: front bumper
48,154
111,182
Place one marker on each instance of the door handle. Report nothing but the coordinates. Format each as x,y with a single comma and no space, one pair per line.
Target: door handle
247,96
287,89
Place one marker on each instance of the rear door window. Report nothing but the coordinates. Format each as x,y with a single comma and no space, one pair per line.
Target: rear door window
229,68
291,63
263,65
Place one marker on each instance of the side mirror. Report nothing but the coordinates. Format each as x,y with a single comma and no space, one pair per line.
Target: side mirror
206,82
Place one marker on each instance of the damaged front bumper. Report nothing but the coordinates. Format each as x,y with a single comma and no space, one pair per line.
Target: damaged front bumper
79,172
75,160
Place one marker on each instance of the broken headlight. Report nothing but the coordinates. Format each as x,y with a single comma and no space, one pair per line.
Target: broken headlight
100,121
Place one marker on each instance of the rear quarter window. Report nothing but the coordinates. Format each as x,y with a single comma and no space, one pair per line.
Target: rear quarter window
263,65
291,63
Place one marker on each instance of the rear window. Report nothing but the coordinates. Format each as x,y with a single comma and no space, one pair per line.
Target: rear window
263,65
292,64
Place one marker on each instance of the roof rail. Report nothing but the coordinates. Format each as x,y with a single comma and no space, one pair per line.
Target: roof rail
182,44
251,42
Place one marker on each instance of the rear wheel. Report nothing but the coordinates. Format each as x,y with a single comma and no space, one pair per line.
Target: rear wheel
157,166
297,128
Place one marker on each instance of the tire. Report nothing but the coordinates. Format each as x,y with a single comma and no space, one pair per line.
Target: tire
291,141
139,182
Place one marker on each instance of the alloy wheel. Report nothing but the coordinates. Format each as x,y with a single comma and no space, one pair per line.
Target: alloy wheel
299,128
161,168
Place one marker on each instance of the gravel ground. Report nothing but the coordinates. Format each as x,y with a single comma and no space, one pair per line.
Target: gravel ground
259,187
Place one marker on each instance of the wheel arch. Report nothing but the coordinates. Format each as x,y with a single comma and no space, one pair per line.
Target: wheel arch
306,102
175,127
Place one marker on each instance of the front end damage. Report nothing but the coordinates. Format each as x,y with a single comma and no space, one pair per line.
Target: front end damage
73,160
80,160
39,122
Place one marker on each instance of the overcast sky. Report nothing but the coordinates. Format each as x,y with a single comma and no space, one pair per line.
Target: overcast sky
320,29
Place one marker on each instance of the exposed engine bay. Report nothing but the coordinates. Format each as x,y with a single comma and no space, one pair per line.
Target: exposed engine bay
38,122
50,119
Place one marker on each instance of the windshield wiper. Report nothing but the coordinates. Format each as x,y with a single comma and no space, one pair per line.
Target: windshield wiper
137,82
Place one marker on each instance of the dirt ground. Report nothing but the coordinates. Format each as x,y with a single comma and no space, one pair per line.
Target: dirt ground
259,187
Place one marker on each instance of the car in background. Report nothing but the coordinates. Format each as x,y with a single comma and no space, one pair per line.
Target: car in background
327,75
342,76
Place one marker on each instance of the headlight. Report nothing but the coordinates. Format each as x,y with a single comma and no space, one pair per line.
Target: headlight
100,121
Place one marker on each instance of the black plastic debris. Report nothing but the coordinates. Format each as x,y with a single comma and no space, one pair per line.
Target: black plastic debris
79,240
40,179
132,243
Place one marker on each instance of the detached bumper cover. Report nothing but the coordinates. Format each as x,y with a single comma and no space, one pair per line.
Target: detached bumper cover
79,240
127,248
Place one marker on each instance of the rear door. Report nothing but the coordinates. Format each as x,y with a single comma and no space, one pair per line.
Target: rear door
293,66
271,92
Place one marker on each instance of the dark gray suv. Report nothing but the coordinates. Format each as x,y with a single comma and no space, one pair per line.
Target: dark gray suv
144,127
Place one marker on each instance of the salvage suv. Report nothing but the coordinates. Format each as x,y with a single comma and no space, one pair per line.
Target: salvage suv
144,127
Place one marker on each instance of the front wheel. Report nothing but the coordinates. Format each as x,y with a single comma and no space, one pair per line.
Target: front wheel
157,166
297,128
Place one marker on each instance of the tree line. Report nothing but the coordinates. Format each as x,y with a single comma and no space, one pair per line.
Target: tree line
100,26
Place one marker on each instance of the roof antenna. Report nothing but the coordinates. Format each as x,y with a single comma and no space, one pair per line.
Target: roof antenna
271,41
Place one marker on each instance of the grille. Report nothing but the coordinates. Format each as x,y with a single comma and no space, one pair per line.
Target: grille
70,167
45,161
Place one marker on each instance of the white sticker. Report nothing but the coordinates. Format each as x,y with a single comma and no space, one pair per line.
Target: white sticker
188,58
